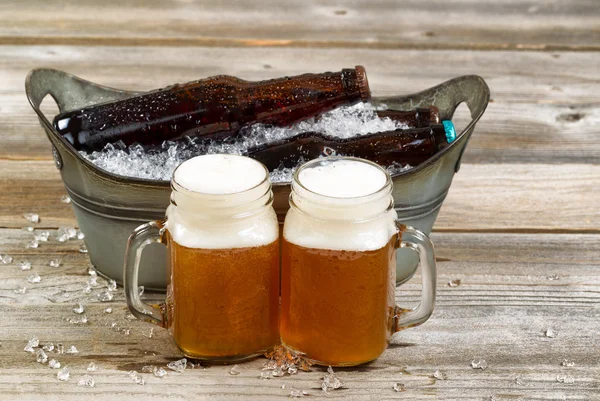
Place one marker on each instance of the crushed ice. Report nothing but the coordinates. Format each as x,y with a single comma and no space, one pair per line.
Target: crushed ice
178,366
479,364
331,381
159,163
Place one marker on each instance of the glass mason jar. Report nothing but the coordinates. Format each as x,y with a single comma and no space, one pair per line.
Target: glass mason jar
222,236
339,263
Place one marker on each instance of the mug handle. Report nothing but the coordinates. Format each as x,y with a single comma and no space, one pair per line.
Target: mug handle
409,237
146,234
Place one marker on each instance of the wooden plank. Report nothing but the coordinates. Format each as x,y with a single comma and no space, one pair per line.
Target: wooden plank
469,24
522,362
549,116
496,197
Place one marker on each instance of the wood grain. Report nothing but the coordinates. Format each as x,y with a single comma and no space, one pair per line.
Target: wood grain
499,312
466,24
548,115
483,197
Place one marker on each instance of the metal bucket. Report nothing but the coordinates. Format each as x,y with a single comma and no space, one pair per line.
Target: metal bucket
108,207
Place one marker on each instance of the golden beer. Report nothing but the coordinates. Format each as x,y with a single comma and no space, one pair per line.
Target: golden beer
339,308
224,302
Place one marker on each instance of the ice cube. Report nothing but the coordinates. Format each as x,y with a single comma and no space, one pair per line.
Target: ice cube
565,379
34,341
178,366
159,372
107,310
60,348
553,277
80,235
54,364
550,333
112,285
25,265
479,364
278,372
32,217
92,367
63,374
265,375
439,375
48,347
105,296
292,369
41,356
137,379
148,368
93,281
72,350
235,370
86,381
330,381
42,236
79,309
567,362
34,278
33,244
6,259
65,199
54,263
83,249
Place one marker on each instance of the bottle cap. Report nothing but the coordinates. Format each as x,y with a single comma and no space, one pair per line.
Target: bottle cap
363,83
450,131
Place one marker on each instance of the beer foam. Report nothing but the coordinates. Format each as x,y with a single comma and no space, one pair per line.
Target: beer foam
343,178
220,174
341,204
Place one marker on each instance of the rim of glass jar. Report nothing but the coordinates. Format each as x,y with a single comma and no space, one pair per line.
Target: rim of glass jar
175,186
384,190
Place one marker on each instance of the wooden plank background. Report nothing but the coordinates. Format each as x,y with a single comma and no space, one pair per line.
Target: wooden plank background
520,227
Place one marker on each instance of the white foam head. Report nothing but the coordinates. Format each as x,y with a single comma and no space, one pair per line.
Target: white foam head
220,174
222,201
341,203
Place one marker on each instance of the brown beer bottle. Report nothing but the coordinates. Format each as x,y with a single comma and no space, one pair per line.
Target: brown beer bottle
417,118
403,146
217,106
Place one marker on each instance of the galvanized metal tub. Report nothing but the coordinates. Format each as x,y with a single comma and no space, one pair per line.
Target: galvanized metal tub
108,207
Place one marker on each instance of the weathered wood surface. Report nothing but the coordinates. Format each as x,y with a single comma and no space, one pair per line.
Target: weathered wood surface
508,297
483,197
467,24
520,227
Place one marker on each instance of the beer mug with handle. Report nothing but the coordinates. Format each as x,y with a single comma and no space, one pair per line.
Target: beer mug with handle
339,263
222,235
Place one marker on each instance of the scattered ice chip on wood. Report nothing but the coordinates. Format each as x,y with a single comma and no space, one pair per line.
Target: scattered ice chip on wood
149,333
518,381
48,347
42,236
137,379
54,364
81,319
87,289
178,366
60,348
32,217
439,375
41,356
79,309
567,362
297,393
399,387
159,372
330,381
33,244
565,379
20,290
107,310
92,367
28,229
63,374
292,369
105,296
479,364
93,281
92,271
29,348
34,341
34,278
112,285
72,350
553,277
266,375
278,372
235,370
550,333
86,381
54,262
83,249
6,259
454,283
65,199
25,265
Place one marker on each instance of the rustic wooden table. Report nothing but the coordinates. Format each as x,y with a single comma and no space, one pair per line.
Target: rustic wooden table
520,227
